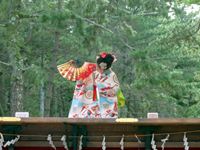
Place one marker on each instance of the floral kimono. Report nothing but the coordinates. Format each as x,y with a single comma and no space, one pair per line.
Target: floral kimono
96,96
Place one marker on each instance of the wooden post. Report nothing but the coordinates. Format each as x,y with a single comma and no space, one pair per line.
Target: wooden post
74,138
147,131
78,131
83,131
147,141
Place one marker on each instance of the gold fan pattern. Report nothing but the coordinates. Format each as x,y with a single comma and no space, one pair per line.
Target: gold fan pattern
71,72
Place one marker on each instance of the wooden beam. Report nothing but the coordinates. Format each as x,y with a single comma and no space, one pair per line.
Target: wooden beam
109,144
55,120
35,130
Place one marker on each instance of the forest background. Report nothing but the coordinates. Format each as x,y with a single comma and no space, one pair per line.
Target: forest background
157,44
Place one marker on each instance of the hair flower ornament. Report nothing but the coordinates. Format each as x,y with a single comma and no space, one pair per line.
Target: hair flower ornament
103,54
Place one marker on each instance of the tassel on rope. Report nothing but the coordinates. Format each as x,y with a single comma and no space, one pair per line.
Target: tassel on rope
186,146
153,145
104,143
137,139
13,141
1,141
63,139
49,138
164,141
122,143
80,142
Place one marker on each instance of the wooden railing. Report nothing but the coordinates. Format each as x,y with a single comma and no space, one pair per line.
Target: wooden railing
137,132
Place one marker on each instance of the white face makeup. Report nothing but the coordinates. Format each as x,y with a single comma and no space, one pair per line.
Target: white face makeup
103,66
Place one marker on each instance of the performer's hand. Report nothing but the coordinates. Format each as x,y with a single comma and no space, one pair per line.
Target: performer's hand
72,61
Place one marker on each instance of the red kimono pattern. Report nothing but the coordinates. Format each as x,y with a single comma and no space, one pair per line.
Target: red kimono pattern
84,105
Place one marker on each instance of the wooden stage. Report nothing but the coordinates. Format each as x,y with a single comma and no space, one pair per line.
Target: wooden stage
137,132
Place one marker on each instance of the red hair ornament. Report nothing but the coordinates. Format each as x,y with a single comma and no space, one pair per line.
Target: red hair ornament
103,54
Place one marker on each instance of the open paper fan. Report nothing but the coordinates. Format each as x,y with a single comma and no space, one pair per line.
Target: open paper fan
70,71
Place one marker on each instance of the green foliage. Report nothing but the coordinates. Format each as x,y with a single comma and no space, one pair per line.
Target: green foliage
191,1
158,57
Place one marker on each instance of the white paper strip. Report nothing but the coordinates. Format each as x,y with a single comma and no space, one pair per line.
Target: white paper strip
164,141
63,139
1,141
153,145
137,139
49,138
80,142
13,141
104,143
186,146
122,143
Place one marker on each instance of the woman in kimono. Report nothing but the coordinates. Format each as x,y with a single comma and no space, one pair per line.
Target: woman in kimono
96,96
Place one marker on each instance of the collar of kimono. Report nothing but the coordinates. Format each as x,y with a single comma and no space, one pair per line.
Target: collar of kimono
106,72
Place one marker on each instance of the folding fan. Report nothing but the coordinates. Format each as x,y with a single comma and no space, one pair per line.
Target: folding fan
70,71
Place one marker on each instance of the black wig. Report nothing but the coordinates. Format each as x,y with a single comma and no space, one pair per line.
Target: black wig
105,58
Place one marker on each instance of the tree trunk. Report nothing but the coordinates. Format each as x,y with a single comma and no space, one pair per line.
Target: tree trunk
2,98
4,93
48,98
42,98
53,99
42,89
16,90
